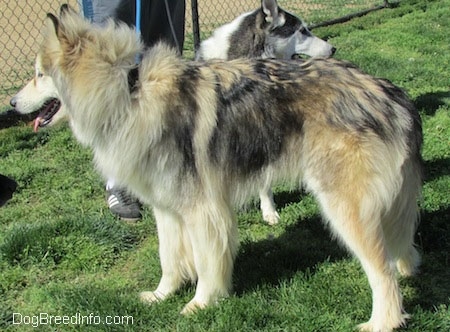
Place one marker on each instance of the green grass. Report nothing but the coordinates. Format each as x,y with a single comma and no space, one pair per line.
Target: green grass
62,253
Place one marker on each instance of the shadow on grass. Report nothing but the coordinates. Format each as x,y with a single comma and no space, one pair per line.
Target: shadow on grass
22,139
284,198
26,244
430,102
12,118
301,247
432,281
436,168
308,243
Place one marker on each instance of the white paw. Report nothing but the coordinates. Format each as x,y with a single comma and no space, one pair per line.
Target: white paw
365,327
372,327
368,327
151,297
271,218
192,307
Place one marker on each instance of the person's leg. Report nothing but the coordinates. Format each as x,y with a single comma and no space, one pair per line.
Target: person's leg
160,20
120,202
166,19
155,26
97,11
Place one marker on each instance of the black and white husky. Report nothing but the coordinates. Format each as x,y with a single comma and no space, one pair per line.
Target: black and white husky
267,32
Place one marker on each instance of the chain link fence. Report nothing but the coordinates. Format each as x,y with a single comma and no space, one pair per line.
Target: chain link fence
21,22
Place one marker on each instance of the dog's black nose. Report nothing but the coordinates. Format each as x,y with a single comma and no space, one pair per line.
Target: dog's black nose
333,50
13,102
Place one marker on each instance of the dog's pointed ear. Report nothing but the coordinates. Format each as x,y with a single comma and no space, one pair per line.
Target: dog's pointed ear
54,21
51,44
52,31
272,12
65,9
270,8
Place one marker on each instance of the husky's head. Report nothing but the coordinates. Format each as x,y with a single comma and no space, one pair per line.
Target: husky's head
41,96
268,32
287,35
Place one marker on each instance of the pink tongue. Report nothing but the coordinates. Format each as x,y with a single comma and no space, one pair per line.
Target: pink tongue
37,122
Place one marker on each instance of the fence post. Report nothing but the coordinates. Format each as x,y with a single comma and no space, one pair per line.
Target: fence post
195,25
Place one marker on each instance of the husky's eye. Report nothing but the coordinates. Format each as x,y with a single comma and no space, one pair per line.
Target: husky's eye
40,75
304,31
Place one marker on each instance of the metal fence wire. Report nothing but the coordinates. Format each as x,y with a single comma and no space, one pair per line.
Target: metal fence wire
21,22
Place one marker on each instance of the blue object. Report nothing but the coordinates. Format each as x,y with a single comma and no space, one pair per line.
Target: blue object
138,17
88,9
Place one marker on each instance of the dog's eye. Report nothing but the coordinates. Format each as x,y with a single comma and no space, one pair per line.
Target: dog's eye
40,75
304,31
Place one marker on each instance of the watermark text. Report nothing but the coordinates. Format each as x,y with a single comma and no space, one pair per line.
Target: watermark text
44,318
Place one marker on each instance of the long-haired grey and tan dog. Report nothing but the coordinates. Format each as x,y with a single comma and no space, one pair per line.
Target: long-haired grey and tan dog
194,139
266,32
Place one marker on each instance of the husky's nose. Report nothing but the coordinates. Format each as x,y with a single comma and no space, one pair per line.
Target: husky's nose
333,50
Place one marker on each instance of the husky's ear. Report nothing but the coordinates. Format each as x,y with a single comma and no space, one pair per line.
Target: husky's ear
270,8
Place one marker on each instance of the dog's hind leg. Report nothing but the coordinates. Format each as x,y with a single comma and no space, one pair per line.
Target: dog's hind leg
213,233
353,196
366,240
175,251
401,223
270,214
358,182
399,231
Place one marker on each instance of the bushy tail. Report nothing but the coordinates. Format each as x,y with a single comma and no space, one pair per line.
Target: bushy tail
400,223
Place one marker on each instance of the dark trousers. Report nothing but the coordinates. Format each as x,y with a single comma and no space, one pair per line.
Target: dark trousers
160,20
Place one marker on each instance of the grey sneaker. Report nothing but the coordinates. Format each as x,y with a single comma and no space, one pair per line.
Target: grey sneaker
123,204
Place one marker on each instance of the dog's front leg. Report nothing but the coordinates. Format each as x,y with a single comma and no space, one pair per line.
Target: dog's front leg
175,251
213,233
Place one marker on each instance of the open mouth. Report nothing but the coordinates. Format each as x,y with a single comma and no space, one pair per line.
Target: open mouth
299,56
47,111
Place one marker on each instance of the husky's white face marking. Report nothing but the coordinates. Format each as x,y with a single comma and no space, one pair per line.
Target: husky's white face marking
39,94
302,41
290,37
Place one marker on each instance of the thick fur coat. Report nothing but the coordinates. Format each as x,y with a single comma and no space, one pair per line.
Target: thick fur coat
195,139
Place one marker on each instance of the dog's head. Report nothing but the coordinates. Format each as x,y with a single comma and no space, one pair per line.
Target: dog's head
71,50
289,36
82,58
40,96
